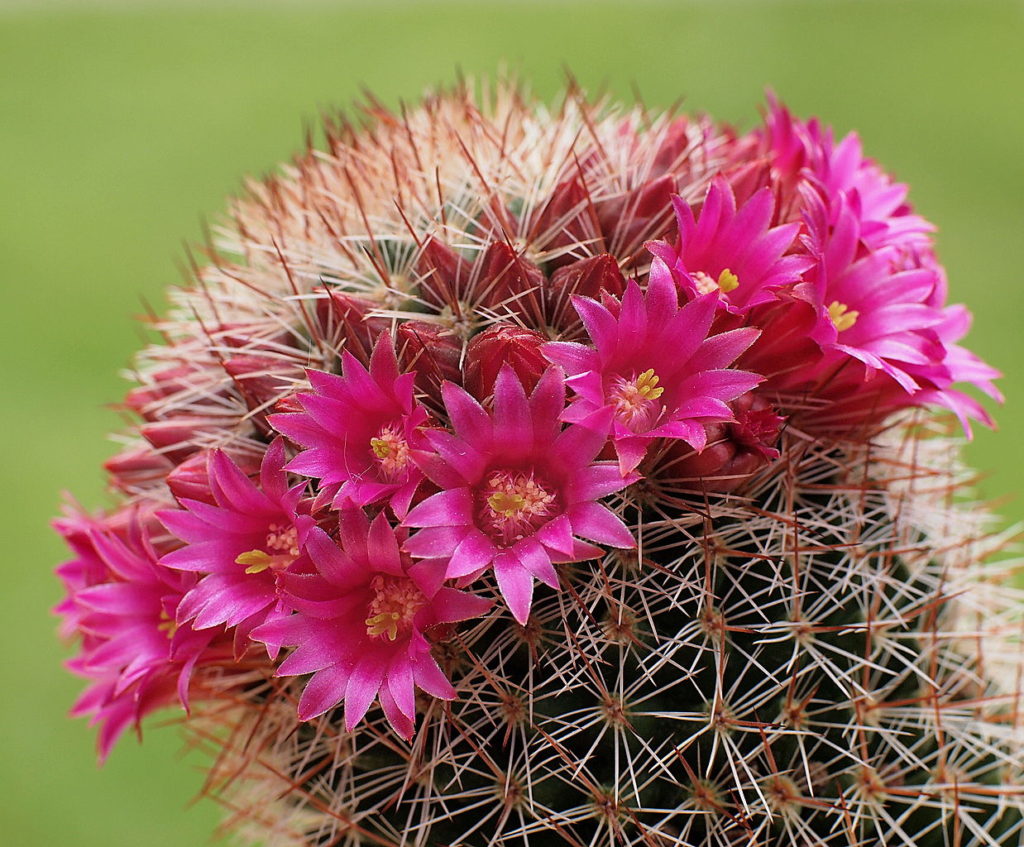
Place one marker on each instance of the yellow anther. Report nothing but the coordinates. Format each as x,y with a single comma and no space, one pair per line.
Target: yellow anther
167,624
256,561
392,607
390,448
506,504
647,385
728,281
841,315
385,623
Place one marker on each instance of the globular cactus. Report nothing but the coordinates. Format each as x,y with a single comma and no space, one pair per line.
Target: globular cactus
571,476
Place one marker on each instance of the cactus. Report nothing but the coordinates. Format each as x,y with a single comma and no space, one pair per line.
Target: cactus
582,476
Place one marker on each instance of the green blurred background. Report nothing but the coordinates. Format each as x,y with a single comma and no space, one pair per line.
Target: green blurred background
124,125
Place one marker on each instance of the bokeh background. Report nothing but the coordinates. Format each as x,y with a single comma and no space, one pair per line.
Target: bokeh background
124,125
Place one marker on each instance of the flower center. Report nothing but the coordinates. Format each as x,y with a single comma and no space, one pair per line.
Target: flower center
514,504
841,315
394,604
280,549
168,625
635,400
727,281
391,451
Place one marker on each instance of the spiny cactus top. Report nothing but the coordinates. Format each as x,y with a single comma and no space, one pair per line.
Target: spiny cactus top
516,475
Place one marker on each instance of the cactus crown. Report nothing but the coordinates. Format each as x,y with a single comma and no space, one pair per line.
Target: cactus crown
516,475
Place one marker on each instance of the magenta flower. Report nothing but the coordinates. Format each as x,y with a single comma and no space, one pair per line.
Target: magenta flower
360,430
732,252
889,318
123,603
243,543
519,491
361,622
804,151
653,369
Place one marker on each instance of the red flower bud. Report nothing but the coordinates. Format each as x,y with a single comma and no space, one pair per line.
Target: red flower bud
566,220
734,450
503,344
445,274
136,469
639,215
261,380
672,155
432,351
346,319
588,277
191,479
503,276
757,427
146,400
177,438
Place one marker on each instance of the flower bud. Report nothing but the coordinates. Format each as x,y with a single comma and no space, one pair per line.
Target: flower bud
345,319
503,344
432,351
445,274
136,469
588,277
502,276
147,400
191,479
564,222
635,216
177,438
261,380
734,449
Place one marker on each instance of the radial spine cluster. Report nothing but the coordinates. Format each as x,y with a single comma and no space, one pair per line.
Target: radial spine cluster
575,475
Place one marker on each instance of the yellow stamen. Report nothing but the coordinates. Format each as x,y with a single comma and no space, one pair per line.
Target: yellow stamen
647,385
391,450
506,504
257,561
392,607
728,281
385,623
167,624
841,315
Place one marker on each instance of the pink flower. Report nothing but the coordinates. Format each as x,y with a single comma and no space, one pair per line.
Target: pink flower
804,151
360,430
518,489
891,318
123,603
361,622
243,542
653,369
732,252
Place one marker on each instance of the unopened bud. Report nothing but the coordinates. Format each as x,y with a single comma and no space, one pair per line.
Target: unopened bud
261,380
501,276
588,277
432,351
177,438
191,479
346,320
734,450
637,215
500,345
147,400
444,274
564,222
136,469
